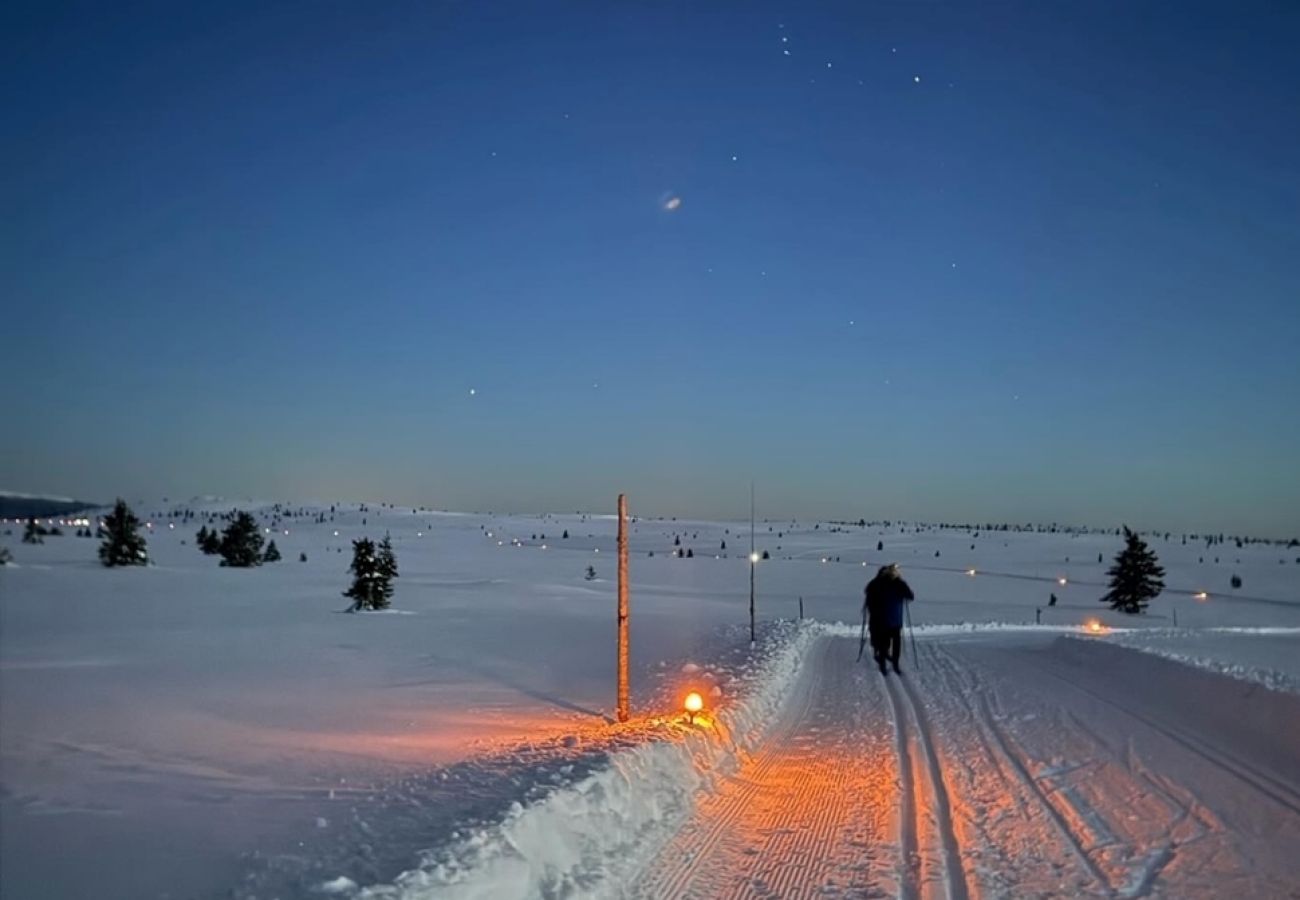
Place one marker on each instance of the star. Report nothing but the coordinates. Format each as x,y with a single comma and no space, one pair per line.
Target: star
916,79
786,52
828,65
734,158
672,203
472,392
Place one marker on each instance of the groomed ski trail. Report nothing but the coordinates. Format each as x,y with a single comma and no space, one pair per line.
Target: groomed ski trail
833,805
1006,767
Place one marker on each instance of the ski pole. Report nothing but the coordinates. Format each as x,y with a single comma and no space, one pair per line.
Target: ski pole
862,638
907,608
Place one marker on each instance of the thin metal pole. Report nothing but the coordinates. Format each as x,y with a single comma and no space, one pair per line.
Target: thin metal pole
623,705
752,563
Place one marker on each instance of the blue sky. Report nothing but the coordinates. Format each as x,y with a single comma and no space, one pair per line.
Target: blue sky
269,250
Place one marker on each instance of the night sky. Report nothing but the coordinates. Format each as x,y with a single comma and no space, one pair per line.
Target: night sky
980,261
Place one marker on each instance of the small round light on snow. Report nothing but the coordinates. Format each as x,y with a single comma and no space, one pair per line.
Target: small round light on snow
693,704
1093,626
1061,581
1201,595
753,557
970,571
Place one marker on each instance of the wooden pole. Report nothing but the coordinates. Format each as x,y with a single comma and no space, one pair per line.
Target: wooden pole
752,563
623,706
801,607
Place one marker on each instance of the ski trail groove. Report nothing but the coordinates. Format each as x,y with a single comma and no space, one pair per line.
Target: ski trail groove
986,721
1265,784
910,863
953,873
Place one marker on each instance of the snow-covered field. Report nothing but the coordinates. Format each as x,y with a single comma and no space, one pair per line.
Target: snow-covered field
191,731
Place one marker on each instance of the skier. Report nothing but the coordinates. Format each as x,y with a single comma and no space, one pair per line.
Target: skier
883,608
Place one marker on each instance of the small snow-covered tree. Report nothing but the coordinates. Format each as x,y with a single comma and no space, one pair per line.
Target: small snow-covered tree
241,542
1136,578
123,544
272,553
367,591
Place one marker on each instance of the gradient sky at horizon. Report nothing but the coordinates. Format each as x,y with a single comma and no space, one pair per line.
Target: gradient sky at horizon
942,261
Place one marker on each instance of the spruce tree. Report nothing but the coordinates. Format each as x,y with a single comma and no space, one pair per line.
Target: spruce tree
241,542
1135,578
367,582
212,544
123,544
387,561
272,553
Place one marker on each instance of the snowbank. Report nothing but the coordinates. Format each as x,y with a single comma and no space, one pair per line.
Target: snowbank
584,836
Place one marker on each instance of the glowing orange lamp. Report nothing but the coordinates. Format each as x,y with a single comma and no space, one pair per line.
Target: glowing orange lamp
1094,627
694,703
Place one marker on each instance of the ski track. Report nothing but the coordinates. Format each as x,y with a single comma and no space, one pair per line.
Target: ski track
1266,785
984,771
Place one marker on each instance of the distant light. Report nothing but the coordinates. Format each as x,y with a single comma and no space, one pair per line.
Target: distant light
472,392
1092,626
1060,581
543,546
336,534
694,703
286,531
171,524
421,534
753,557
916,79
267,530
823,559
597,550
672,203
970,571
1201,595
500,543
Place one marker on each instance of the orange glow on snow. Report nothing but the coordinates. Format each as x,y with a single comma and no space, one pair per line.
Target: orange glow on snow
1093,626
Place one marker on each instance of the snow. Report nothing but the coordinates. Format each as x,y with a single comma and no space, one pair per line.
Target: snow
200,731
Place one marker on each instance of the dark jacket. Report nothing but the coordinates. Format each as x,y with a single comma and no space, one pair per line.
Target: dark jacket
886,594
